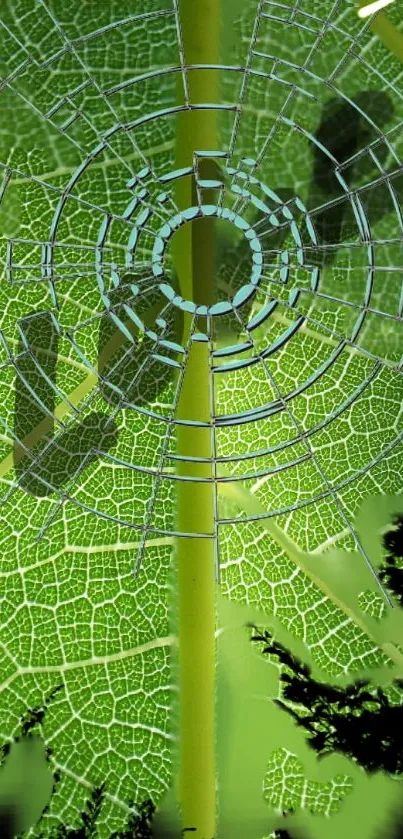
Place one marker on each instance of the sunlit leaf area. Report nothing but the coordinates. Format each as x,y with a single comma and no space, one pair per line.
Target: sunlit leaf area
201,367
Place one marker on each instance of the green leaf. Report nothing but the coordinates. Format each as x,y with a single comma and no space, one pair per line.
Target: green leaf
305,397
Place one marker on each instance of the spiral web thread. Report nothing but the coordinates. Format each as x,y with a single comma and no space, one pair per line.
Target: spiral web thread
129,245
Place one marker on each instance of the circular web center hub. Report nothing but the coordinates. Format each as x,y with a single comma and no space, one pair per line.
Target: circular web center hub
194,213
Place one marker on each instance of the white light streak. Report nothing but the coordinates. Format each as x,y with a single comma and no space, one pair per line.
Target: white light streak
371,8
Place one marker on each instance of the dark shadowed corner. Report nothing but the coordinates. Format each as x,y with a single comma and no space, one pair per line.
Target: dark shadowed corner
8,821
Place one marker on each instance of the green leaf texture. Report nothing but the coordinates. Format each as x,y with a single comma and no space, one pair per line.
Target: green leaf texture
306,373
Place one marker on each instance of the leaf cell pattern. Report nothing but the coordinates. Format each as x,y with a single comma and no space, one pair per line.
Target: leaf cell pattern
304,337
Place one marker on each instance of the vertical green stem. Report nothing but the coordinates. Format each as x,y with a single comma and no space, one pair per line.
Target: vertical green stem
193,254
196,584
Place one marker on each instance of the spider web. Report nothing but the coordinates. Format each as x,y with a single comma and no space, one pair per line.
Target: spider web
304,335
292,279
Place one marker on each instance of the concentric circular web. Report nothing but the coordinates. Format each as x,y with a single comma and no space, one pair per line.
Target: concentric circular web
300,191
305,331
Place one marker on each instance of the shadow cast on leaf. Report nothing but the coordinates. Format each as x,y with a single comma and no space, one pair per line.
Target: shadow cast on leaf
343,132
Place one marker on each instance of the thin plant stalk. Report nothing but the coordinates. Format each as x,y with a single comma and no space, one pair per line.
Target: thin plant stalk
193,256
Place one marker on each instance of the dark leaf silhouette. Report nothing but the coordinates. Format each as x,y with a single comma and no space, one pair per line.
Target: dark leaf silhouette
391,574
359,722
88,818
35,716
138,825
